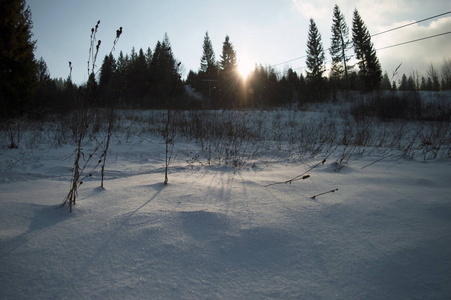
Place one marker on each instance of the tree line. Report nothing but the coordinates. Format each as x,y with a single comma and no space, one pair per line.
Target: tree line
152,78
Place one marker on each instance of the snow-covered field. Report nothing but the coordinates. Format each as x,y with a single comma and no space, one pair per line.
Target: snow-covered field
219,231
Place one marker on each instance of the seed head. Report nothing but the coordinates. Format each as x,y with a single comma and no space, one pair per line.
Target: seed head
118,32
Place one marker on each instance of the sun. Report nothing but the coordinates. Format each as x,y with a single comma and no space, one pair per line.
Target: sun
244,67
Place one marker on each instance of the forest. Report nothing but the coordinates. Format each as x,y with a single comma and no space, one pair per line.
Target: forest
152,78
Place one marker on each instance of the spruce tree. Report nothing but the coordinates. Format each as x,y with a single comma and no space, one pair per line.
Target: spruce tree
423,83
228,57
47,92
208,72
370,68
315,54
411,86
403,85
433,74
140,79
148,57
385,83
121,64
208,61
164,72
228,75
43,73
18,67
340,44
315,60
107,71
293,84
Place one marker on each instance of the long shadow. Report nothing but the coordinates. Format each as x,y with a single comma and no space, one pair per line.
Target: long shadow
44,216
159,187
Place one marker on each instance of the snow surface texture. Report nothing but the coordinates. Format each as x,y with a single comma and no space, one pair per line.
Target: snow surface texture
218,232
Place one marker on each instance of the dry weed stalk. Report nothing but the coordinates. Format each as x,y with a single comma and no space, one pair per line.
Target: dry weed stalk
78,170
303,176
111,118
331,191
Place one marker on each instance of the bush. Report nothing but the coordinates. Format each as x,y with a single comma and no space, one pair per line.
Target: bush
389,105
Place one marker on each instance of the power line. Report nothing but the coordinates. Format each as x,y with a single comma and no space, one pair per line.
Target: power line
416,22
395,45
383,32
289,61
417,40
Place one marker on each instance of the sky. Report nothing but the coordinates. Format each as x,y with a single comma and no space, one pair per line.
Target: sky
268,32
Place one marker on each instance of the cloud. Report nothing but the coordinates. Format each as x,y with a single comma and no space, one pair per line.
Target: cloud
416,56
374,13
318,10
383,15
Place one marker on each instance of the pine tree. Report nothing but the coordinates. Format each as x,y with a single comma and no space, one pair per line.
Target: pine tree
148,57
208,61
395,87
385,83
411,86
315,54
340,44
293,84
91,88
18,67
433,74
42,71
315,60
228,57
157,81
47,93
121,63
403,85
208,72
121,79
429,85
141,75
107,71
228,76
164,73
370,68
423,84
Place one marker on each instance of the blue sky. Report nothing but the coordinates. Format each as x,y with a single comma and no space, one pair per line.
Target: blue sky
262,31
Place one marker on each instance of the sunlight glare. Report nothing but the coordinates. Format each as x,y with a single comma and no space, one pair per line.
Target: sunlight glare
245,67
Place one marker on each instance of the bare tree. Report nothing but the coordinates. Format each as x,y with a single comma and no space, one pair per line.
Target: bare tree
446,74
433,75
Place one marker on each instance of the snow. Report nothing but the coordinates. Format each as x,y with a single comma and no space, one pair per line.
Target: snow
220,232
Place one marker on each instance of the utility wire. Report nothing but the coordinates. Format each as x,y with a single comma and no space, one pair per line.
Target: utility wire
395,45
417,40
383,32
289,61
416,22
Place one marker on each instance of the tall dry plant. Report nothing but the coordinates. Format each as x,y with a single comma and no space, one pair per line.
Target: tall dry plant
169,131
79,173
111,118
